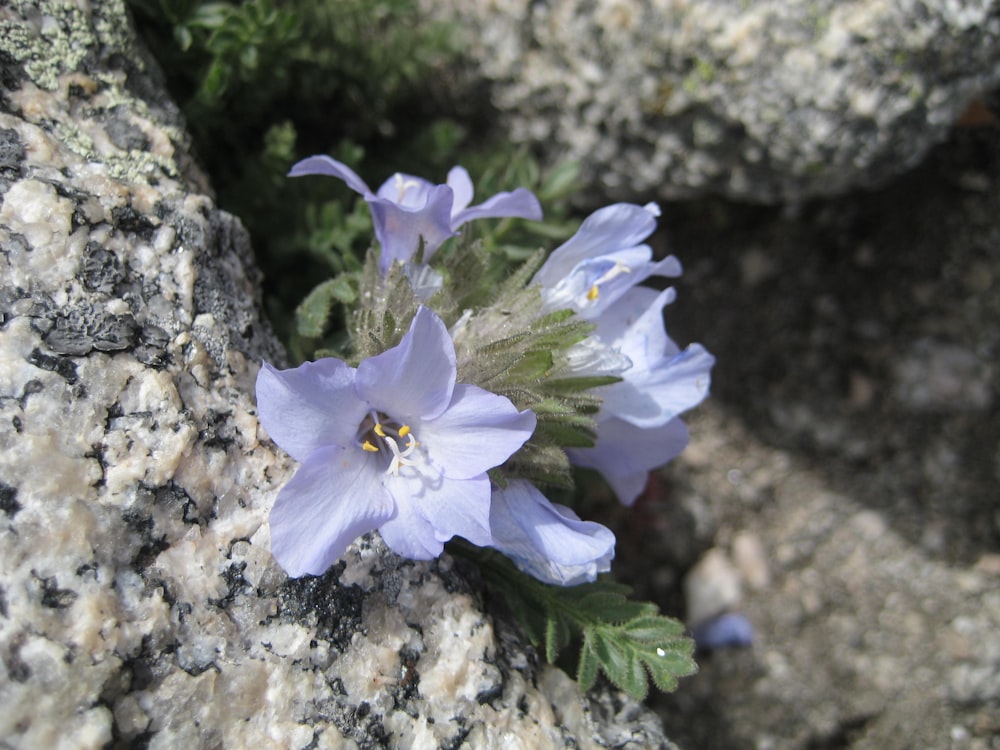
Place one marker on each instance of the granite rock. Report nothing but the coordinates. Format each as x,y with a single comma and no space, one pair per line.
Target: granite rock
139,604
773,101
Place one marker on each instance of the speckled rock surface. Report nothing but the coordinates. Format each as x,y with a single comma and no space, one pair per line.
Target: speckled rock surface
139,605
765,101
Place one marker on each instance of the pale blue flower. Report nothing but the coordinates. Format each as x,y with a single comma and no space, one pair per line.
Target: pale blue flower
596,274
394,445
663,380
728,630
408,209
637,425
547,540
603,260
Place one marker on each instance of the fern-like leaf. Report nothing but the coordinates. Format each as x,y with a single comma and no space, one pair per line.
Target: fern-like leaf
630,641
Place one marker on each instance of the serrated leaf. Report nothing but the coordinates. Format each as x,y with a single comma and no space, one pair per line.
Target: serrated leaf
653,628
612,607
665,667
313,312
628,640
613,658
569,385
556,636
586,671
636,683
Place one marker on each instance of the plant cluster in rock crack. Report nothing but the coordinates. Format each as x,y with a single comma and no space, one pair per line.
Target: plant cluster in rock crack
468,384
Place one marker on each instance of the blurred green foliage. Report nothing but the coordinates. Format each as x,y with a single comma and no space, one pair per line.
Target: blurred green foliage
264,83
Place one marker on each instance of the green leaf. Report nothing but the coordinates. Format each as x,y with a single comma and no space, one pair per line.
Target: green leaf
570,385
215,81
613,656
612,607
312,314
588,668
627,640
249,57
636,684
183,37
652,628
557,635
211,15
560,182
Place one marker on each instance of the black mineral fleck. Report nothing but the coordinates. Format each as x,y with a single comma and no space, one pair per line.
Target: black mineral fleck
63,367
8,499
100,270
127,219
12,153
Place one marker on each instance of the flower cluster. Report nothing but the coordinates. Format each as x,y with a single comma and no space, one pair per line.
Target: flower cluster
452,427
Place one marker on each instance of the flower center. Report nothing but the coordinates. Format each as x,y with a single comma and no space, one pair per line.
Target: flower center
402,186
380,433
616,270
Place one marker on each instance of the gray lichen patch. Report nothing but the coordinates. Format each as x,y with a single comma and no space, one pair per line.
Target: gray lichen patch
90,58
46,39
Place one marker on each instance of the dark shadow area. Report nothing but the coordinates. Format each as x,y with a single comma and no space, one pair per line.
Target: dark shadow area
861,335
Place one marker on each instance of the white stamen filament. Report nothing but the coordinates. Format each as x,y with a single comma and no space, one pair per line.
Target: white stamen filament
402,186
616,270
399,458
379,437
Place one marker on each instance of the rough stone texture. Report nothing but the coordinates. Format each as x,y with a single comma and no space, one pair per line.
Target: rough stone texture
139,605
766,101
847,464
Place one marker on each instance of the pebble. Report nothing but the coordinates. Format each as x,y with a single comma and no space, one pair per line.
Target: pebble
711,587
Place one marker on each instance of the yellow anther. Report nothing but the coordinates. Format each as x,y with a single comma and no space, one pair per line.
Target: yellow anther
378,430
367,446
404,430
592,293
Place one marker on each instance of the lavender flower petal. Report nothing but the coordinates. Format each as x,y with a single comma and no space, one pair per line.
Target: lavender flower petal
618,226
625,454
415,379
334,497
410,212
450,507
479,430
725,631
461,184
663,381
602,261
520,204
324,165
401,229
308,407
545,540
